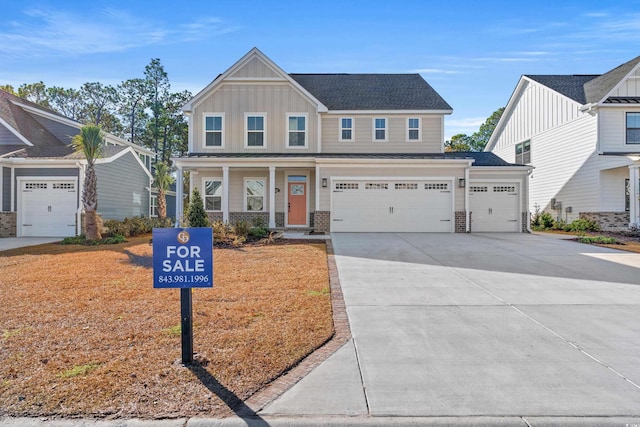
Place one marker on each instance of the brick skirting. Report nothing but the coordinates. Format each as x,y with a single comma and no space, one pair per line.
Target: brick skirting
526,220
608,220
321,221
8,224
460,222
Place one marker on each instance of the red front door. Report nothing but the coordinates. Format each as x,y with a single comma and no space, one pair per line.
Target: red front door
297,203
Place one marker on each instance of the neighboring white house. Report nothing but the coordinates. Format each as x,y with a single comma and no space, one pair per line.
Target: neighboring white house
582,135
41,177
340,153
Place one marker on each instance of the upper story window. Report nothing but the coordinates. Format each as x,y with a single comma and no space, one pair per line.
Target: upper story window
633,128
255,130
214,130
346,129
523,153
254,194
297,125
212,195
379,129
413,129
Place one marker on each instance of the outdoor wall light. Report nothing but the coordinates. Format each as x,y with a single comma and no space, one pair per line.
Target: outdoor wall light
324,183
461,182
277,190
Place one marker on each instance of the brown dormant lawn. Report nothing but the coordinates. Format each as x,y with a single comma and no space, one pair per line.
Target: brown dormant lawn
84,334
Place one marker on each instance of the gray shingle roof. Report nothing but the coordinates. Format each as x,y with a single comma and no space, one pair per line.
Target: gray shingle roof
571,86
372,91
481,158
586,89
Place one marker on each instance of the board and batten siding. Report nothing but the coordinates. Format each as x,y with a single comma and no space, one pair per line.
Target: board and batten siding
395,173
630,87
430,142
612,123
275,99
538,110
256,69
123,188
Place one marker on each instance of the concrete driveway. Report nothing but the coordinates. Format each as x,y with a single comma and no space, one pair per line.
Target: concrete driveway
7,243
481,325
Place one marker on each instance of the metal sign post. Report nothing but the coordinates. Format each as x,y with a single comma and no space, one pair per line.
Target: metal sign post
183,258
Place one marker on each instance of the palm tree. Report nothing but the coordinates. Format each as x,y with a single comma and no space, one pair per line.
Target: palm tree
162,181
90,142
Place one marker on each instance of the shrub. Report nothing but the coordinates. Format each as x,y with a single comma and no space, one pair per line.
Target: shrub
136,226
242,228
583,224
118,238
258,232
221,231
196,216
546,220
603,240
75,240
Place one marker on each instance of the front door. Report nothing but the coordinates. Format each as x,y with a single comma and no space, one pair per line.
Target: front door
297,203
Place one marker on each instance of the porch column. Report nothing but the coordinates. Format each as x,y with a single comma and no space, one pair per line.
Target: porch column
225,194
272,197
634,193
179,196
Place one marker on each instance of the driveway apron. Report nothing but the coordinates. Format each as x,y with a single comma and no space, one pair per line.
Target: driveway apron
480,325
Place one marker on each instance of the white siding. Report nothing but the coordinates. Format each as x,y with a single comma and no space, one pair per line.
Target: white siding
431,131
537,109
612,189
613,128
630,87
255,68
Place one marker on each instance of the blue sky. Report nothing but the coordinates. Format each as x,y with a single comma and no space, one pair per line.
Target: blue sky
471,52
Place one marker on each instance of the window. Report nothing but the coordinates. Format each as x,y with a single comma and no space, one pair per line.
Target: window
413,129
255,135
153,207
523,153
633,128
297,125
346,129
214,130
254,194
380,129
213,195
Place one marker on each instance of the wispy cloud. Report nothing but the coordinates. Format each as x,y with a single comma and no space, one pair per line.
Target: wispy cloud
435,71
43,32
469,122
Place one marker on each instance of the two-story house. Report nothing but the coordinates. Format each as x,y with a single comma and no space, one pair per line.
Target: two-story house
582,134
41,177
341,153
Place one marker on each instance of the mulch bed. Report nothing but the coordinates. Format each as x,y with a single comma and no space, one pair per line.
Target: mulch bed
84,334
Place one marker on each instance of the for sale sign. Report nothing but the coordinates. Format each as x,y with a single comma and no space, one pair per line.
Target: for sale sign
182,258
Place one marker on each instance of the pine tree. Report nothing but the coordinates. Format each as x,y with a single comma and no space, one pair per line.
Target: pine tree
196,216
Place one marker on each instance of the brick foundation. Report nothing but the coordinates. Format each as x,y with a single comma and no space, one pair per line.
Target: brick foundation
214,217
250,217
321,221
608,220
526,220
8,224
460,222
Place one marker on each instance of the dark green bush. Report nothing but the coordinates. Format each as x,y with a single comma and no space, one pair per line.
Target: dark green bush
196,216
258,232
546,220
242,228
118,238
136,226
583,224
75,240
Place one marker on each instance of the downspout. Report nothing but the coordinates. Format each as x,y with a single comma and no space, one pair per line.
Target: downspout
527,193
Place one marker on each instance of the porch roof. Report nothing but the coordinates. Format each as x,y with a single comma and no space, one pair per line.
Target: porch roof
479,158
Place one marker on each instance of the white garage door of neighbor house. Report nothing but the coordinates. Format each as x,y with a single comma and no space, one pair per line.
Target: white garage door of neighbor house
48,208
385,205
494,207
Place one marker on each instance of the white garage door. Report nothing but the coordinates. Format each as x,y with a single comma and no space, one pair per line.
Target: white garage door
391,206
494,207
48,208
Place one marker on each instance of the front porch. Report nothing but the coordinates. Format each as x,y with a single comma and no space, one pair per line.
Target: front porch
275,196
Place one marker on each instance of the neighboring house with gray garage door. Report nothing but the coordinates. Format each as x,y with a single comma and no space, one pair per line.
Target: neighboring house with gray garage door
41,176
582,134
341,153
